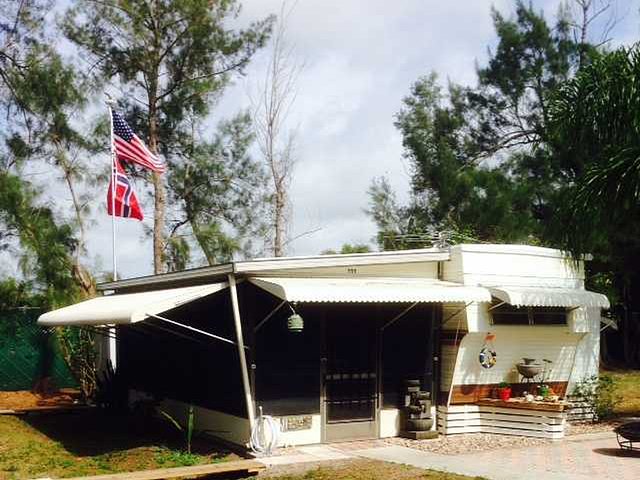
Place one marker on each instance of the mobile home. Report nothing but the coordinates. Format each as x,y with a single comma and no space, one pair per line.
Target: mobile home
328,344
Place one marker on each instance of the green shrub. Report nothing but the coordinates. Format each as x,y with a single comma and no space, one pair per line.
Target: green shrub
600,393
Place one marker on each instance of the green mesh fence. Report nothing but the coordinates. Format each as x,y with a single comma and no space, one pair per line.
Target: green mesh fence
29,352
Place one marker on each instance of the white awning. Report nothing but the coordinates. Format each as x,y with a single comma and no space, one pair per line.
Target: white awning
549,297
370,290
126,308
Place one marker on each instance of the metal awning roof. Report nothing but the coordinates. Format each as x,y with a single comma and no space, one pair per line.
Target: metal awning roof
373,290
549,297
126,309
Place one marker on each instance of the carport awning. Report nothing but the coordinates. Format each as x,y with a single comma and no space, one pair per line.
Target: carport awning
370,290
549,297
126,308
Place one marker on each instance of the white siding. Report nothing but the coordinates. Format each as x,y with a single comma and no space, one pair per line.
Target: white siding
512,344
389,422
447,366
427,269
452,269
309,436
222,425
588,350
521,265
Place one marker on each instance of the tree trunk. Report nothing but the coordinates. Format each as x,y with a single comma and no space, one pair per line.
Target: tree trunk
279,222
159,204
80,273
158,222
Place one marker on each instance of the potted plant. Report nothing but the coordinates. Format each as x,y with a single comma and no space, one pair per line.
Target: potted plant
504,390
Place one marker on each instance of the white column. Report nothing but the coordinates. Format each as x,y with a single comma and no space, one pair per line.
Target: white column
113,347
241,350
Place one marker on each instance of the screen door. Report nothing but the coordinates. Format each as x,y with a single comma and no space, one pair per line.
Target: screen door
350,378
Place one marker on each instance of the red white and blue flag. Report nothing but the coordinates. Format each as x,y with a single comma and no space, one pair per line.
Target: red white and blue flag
129,148
126,203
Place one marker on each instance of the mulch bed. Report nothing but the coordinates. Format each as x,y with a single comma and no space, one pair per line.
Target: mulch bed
25,400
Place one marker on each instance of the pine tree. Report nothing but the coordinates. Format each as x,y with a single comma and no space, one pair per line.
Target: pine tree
170,59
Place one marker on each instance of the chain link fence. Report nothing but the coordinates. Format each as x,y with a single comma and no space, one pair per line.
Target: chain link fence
29,352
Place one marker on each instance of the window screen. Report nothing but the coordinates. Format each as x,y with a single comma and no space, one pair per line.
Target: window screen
509,315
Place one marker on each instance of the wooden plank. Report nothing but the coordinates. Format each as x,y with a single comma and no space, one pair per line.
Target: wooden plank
506,418
238,466
538,406
44,409
499,420
506,411
483,423
502,431
473,392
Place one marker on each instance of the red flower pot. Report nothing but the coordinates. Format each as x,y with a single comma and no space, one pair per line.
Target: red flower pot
505,393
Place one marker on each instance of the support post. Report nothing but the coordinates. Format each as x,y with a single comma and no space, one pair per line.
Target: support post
113,347
240,342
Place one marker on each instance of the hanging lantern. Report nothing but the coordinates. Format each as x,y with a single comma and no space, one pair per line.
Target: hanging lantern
295,323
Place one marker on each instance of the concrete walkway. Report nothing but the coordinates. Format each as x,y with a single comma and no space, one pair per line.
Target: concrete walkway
594,457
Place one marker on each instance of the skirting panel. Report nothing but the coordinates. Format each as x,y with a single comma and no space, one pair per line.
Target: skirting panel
506,421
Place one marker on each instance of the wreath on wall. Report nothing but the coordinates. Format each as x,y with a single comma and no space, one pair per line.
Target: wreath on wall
488,356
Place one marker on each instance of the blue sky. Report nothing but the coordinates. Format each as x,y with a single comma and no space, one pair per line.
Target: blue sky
361,57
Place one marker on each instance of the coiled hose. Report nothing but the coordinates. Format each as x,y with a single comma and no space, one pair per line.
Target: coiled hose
265,435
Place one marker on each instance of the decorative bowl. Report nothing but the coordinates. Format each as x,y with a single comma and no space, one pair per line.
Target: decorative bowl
529,370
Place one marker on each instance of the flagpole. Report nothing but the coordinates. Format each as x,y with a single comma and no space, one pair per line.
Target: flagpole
113,348
113,196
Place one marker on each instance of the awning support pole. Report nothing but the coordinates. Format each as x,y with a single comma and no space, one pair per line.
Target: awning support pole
271,314
188,327
496,305
399,316
243,360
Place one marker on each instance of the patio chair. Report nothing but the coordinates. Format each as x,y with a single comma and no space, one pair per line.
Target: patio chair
627,435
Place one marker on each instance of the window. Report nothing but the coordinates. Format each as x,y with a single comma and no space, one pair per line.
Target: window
505,314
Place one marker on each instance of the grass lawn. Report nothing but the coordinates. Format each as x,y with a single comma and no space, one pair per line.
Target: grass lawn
628,387
93,443
365,470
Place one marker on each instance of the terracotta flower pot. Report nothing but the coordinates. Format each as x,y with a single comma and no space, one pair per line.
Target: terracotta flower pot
505,393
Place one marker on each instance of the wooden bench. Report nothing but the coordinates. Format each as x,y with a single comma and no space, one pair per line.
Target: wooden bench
247,467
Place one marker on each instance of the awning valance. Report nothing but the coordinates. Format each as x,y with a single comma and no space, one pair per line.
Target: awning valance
370,290
126,308
549,297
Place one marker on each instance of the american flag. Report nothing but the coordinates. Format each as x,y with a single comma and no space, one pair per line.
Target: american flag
130,148
126,202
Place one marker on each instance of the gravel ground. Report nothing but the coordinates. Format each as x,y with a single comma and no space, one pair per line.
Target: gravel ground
480,442
579,428
468,443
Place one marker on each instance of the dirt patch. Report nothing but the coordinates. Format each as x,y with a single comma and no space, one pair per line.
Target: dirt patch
355,470
25,400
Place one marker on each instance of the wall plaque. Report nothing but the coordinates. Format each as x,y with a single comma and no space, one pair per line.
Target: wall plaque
295,423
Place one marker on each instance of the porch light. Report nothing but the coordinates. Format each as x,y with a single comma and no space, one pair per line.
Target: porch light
295,322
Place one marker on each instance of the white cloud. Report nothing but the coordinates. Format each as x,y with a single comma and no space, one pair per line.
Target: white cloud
361,57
